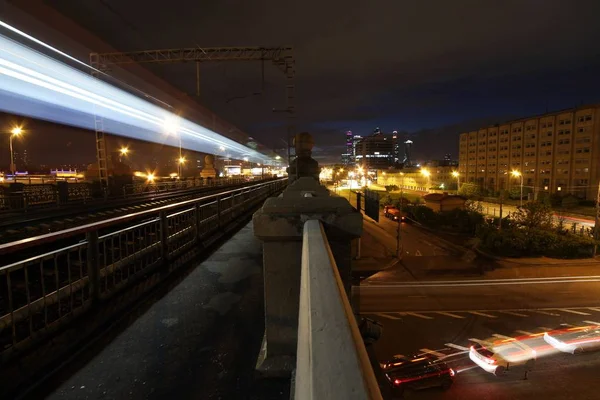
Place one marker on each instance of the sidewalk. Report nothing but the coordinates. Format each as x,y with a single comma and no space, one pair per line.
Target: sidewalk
198,341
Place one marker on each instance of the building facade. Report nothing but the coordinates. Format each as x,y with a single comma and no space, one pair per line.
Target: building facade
554,152
376,151
439,176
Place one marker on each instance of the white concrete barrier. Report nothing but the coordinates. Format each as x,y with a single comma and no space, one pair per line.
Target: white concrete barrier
331,361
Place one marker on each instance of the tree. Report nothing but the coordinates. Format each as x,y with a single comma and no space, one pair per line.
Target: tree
468,190
391,188
533,215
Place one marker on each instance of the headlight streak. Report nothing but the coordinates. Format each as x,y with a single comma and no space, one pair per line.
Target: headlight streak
43,81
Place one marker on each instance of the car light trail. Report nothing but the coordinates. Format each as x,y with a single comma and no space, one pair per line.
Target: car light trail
37,86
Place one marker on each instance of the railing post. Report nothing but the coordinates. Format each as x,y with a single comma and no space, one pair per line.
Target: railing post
93,265
198,219
164,236
218,200
279,224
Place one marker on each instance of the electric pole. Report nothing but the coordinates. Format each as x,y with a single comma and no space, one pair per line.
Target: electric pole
597,220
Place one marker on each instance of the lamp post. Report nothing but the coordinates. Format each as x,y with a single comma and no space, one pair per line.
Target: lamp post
16,131
180,163
456,175
427,175
516,174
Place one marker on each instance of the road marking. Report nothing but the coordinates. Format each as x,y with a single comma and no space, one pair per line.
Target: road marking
386,315
449,314
418,253
546,313
414,314
482,314
457,347
514,313
544,328
435,353
594,309
592,322
502,336
573,311
524,332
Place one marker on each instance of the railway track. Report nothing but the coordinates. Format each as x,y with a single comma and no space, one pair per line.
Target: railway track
18,226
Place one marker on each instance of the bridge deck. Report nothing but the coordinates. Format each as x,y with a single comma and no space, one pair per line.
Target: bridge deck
199,340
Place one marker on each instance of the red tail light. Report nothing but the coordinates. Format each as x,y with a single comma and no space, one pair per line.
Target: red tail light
451,372
397,382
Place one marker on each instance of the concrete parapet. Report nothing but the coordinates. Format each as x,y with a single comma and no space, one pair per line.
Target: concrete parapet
279,224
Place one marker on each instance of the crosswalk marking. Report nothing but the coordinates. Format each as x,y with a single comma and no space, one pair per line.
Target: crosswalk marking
435,353
457,347
546,313
514,313
524,332
386,315
414,314
449,314
573,311
592,322
482,314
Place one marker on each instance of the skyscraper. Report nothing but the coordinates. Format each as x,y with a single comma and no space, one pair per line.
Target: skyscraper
348,156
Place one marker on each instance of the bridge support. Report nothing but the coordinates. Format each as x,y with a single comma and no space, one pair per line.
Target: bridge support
279,224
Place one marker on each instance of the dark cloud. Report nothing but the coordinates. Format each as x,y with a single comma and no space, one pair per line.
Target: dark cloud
403,65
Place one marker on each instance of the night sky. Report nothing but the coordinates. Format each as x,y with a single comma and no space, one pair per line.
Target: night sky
427,68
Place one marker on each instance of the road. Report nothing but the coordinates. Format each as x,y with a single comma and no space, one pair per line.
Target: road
447,334
473,294
424,255
493,209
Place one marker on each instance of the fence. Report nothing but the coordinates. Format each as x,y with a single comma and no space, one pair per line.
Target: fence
167,186
40,293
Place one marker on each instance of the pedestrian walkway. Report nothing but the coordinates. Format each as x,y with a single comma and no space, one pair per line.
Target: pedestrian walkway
199,341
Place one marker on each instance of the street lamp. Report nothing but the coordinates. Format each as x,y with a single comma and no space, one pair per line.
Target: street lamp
426,174
123,152
16,131
180,163
456,175
516,174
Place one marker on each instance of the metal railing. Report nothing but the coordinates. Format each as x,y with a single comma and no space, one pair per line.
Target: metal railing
83,265
332,361
168,186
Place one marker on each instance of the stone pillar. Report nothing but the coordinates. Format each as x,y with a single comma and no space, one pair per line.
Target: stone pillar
279,224
208,171
303,165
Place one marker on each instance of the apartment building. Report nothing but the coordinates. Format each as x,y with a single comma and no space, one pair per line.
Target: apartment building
554,152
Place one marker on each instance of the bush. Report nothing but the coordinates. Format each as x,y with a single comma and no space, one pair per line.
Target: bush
534,215
534,243
569,202
468,190
391,188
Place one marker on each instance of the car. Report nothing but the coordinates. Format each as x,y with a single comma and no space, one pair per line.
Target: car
394,214
574,340
496,356
417,372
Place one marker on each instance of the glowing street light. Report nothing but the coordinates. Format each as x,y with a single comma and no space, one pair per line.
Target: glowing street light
456,175
427,175
278,157
150,178
518,174
16,131
123,151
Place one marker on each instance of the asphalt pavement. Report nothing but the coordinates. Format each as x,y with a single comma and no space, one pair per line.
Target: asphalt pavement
447,336
199,339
